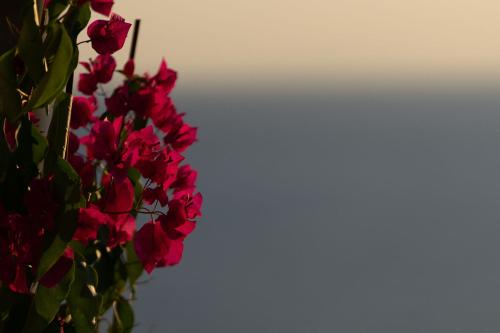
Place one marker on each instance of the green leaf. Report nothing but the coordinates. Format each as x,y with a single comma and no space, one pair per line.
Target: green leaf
6,302
67,188
78,20
68,184
40,145
30,46
133,265
54,81
134,176
59,130
112,277
83,302
21,167
123,317
10,100
28,142
51,255
48,300
5,153
56,8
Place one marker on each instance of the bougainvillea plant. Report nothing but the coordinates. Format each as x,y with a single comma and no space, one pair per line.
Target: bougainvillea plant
78,172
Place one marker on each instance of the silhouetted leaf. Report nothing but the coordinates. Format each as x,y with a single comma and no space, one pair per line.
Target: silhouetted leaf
55,79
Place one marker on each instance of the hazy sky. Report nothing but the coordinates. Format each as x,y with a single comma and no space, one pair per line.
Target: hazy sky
252,40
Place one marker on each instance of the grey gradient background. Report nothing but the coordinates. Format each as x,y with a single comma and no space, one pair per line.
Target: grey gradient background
339,211
349,155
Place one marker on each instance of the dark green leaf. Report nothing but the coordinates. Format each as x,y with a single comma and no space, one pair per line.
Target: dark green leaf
68,185
39,145
30,46
67,188
48,300
134,176
5,153
58,130
10,101
78,20
112,276
123,317
51,255
133,265
56,8
55,79
83,302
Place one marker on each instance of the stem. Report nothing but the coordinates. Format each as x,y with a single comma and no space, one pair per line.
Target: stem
133,48
84,41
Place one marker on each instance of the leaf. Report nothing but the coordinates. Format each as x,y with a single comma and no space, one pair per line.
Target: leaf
68,184
28,142
67,188
112,277
123,317
78,20
134,176
40,145
55,79
133,265
56,8
21,167
83,302
10,101
59,130
30,46
51,255
48,300
5,153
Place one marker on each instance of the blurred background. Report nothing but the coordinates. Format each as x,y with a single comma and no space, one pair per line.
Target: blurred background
349,159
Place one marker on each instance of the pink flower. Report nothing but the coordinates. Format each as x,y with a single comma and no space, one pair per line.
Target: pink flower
88,224
162,170
150,195
103,67
164,114
119,197
140,145
40,204
129,68
102,142
184,207
73,143
87,83
21,245
155,248
100,71
181,137
101,6
118,103
121,229
143,101
82,111
165,78
10,131
108,36
186,179
85,170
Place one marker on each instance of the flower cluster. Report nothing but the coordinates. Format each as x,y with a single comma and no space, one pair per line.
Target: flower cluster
141,131
21,239
127,150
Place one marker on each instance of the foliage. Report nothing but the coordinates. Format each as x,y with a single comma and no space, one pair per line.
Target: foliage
71,247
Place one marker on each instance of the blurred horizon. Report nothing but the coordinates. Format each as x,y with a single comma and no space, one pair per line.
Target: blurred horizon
358,41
